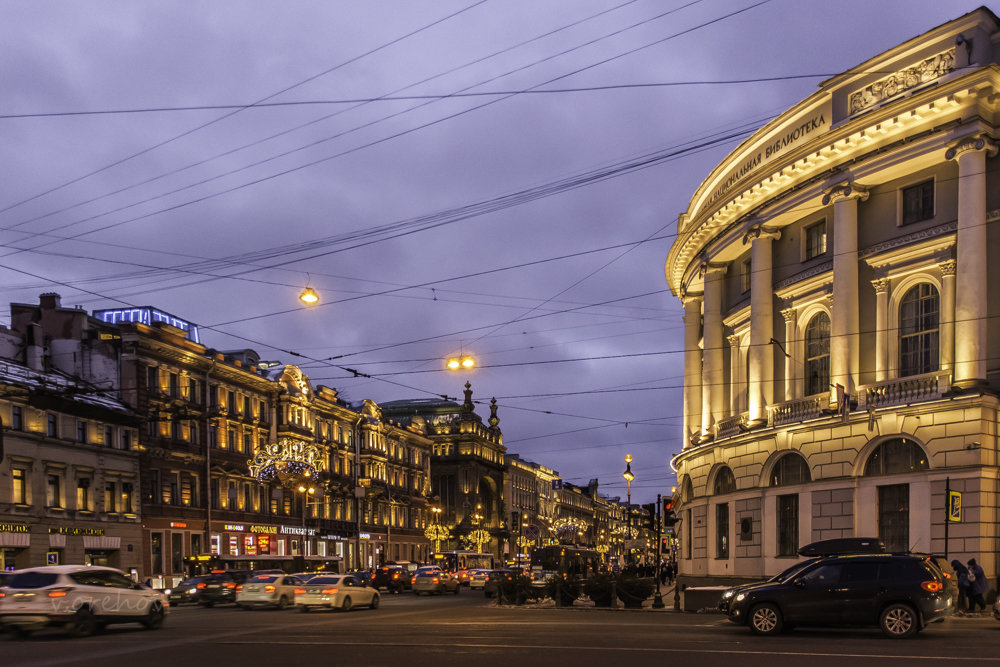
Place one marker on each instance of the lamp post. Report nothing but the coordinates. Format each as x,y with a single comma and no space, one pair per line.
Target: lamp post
306,491
629,476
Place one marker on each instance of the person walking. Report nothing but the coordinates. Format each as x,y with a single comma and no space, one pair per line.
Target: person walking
979,585
962,576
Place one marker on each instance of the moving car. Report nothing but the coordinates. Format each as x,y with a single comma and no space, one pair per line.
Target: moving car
186,591
219,587
392,578
435,583
268,590
494,578
79,598
899,593
477,578
335,591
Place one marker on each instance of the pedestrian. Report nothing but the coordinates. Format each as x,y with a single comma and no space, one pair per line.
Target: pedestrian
962,575
978,585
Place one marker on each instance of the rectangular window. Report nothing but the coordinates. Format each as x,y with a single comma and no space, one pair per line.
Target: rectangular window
215,494
722,530
126,439
51,426
175,385
126,497
153,379
231,442
246,406
815,240
187,485
894,517
172,491
918,202
109,436
246,442
16,418
231,401
788,525
192,391
83,494
19,478
110,506
745,271
53,491
156,551
213,437
154,486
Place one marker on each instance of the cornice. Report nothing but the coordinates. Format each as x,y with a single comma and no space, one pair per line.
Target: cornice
910,239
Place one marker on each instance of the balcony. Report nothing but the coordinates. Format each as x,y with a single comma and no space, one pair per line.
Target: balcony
905,390
730,426
801,409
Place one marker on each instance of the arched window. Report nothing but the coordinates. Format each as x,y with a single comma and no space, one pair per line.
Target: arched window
790,469
918,330
818,354
687,490
725,482
896,456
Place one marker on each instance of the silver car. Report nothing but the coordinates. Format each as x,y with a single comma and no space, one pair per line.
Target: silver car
335,591
268,590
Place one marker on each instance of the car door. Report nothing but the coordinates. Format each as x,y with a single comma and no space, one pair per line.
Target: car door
859,592
808,599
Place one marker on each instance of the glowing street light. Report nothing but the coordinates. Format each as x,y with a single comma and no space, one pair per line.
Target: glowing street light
464,362
309,296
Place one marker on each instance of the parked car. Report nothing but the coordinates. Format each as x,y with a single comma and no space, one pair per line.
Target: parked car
186,591
493,580
900,593
335,591
477,579
219,588
79,598
729,594
435,583
392,578
268,590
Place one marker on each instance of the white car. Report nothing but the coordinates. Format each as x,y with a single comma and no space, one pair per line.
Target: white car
79,598
268,590
335,591
477,578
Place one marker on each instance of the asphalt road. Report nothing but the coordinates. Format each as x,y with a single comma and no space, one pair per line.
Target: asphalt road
468,630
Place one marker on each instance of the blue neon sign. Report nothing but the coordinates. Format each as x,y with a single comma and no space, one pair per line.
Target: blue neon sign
149,316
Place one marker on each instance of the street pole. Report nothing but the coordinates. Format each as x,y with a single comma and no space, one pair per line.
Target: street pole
658,600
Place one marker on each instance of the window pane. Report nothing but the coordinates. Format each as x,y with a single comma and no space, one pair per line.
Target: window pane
788,525
818,355
722,530
918,331
894,517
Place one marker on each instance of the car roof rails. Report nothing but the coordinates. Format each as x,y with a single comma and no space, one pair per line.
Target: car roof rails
843,545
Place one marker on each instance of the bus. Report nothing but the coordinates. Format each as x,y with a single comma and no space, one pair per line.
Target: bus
564,559
460,562
205,563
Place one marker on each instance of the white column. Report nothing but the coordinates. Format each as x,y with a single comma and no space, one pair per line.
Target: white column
692,368
845,358
791,391
761,388
735,379
881,286
948,270
970,282
712,391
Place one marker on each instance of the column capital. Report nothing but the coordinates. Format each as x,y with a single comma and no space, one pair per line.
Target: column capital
881,285
759,231
691,298
734,340
707,268
972,144
788,314
845,190
948,267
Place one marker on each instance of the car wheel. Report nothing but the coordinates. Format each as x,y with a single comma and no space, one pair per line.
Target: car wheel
208,604
457,588
304,609
83,624
154,619
20,633
375,601
346,604
440,591
898,621
765,619
282,602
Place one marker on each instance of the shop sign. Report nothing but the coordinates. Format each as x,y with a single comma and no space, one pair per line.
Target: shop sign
249,548
178,524
69,530
234,546
263,529
332,537
51,557
365,536
264,544
232,527
15,528
296,530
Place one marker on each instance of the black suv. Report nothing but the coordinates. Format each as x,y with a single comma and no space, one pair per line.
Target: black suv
900,593
220,587
393,578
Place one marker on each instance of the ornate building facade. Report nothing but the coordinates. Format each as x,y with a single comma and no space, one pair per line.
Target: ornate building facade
841,328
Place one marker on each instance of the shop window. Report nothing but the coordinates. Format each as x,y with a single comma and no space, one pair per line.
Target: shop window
51,426
790,469
815,240
918,331
195,543
16,418
788,525
818,354
918,202
53,491
722,530
19,488
83,494
126,497
110,506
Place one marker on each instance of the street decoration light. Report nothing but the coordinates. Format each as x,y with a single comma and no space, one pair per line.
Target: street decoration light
478,536
629,476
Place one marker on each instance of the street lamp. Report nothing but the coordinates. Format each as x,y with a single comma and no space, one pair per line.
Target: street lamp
629,476
458,363
306,492
309,296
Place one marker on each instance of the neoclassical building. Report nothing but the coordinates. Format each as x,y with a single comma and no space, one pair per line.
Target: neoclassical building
838,272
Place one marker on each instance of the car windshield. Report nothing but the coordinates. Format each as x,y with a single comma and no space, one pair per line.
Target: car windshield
790,572
32,579
264,579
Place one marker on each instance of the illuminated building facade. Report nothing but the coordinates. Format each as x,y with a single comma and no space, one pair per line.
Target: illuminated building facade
837,272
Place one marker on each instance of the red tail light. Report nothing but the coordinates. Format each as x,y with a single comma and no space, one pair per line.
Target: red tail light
229,585
59,592
931,586
201,585
300,591
268,589
239,589
331,591
435,581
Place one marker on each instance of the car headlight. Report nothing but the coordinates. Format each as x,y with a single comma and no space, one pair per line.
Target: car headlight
192,591
728,594
741,597
167,591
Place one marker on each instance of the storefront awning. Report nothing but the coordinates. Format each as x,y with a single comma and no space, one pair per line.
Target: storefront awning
15,539
101,542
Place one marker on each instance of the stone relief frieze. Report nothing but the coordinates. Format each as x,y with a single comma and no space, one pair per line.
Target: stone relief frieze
901,241
901,81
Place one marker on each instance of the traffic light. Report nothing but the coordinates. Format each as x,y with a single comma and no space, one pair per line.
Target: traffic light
650,510
669,515
515,521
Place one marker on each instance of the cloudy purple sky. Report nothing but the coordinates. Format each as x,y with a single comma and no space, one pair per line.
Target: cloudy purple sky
499,177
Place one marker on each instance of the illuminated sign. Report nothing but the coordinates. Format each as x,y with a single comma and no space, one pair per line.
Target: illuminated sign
178,524
955,506
296,530
263,529
365,536
14,528
232,527
65,530
149,316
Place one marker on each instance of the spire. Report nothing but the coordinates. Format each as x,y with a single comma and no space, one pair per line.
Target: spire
494,420
467,406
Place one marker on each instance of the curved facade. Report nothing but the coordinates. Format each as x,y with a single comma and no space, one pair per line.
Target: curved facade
842,340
